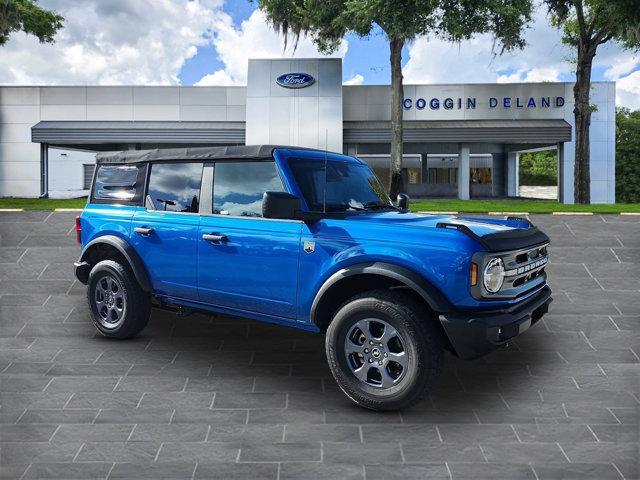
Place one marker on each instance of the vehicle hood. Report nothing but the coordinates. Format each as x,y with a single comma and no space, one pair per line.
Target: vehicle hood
493,234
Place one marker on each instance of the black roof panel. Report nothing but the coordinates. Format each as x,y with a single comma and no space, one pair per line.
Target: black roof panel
249,152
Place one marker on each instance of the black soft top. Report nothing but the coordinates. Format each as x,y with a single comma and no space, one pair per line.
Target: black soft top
249,152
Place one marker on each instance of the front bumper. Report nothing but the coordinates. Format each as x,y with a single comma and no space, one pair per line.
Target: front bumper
476,333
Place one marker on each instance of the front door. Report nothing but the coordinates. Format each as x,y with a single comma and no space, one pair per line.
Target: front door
246,262
164,231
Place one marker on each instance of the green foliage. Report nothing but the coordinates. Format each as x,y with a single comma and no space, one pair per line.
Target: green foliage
539,168
627,155
327,21
586,22
28,17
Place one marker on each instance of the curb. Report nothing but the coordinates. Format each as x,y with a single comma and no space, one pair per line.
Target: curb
11,209
571,213
67,209
630,213
508,213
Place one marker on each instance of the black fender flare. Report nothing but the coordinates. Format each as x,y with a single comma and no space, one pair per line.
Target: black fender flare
127,251
434,298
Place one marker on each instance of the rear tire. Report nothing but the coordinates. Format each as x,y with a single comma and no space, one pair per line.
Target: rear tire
119,307
384,350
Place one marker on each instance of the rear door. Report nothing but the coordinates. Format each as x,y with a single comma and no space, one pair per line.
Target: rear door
246,262
164,231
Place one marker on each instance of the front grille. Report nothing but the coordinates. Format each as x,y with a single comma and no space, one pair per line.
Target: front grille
523,268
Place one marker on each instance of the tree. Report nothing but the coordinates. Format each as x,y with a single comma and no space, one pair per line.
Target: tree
627,155
28,17
539,168
327,21
587,24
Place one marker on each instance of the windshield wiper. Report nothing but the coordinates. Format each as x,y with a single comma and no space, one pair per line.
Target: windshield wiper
337,207
378,206
368,206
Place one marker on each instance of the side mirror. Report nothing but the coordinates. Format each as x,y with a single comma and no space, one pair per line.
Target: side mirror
281,205
403,201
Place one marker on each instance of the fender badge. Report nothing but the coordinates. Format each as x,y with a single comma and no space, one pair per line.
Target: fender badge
309,247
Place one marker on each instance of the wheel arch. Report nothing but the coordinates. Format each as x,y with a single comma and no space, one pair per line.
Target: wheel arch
358,278
99,248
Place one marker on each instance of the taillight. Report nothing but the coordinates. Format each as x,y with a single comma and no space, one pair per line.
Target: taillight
78,230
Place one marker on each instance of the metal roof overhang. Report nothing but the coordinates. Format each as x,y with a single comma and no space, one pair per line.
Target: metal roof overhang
475,131
61,132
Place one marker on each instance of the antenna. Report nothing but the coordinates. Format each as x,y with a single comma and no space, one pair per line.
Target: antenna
324,193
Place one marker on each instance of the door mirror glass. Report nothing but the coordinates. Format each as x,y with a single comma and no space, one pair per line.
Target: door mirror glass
403,201
281,205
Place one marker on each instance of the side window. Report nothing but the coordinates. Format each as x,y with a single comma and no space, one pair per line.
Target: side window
238,187
119,183
174,187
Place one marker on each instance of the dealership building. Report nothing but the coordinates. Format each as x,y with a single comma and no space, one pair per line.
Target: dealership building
460,140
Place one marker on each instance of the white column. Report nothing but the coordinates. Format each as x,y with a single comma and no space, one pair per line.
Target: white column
463,171
513,166
562,176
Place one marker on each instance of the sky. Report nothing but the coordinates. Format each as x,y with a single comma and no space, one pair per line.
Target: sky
208,42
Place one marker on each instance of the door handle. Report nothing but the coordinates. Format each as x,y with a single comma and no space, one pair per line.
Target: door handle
212,237
143,230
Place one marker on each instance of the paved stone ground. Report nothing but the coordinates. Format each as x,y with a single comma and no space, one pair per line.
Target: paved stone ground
547,193
203,397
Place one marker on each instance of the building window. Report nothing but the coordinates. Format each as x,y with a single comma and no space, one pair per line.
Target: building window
413,176
443,175
480,175
87,175
174,187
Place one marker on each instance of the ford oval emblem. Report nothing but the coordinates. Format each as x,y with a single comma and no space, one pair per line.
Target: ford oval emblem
295,80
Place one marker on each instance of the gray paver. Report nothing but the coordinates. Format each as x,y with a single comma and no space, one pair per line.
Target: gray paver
216,397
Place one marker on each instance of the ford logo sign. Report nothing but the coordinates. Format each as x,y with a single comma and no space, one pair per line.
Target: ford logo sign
295,80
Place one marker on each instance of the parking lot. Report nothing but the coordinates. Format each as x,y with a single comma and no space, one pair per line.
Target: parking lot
216,397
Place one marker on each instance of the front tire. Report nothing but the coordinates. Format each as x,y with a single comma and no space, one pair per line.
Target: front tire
384,350
119,307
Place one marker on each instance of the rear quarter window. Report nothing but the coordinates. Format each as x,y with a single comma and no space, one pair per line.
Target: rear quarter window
119,184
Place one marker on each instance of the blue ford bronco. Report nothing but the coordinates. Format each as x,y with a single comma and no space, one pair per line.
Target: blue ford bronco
307,239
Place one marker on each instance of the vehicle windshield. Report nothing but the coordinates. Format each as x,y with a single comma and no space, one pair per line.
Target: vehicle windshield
349,186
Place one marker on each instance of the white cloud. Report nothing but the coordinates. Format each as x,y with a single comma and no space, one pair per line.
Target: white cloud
357,79
628,91
115,42
621,69
622,65
436,61
531,75
219,77
253,39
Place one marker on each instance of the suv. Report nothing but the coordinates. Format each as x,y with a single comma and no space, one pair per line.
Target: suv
307,239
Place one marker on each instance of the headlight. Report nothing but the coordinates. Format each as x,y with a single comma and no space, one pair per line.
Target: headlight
493,275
